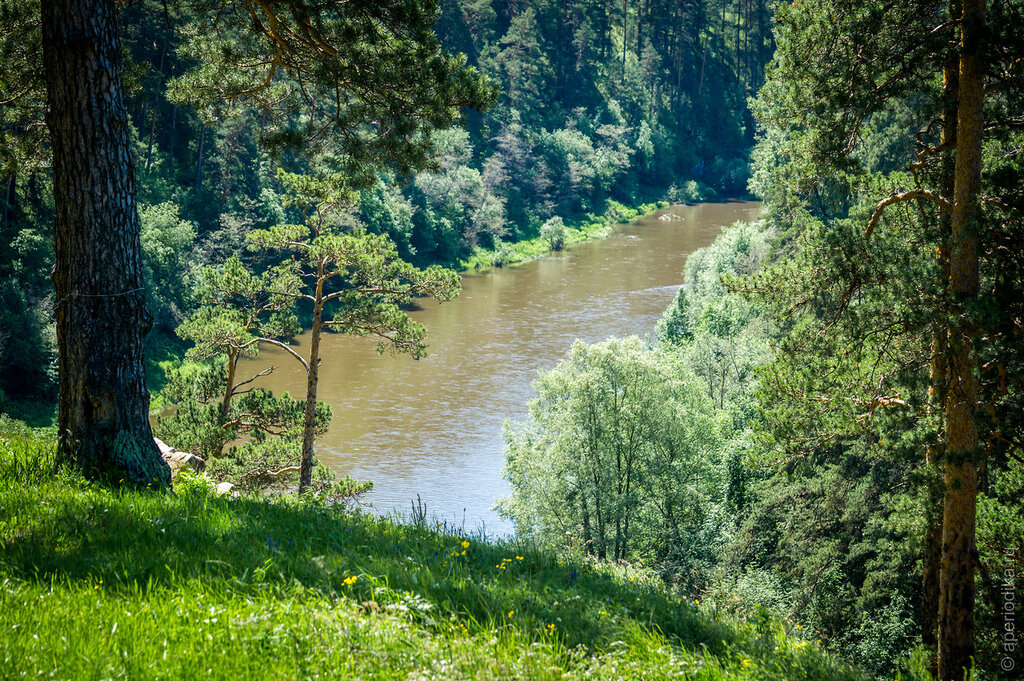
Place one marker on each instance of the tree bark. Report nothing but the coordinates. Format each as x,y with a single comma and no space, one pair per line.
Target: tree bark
199,161
100,311
9,201
170,144
956,599
312,376
938,371
156,108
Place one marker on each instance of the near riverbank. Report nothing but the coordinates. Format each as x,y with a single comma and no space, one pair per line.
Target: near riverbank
591,227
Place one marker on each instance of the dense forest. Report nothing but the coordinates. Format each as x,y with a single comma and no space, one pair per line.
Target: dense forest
821,439
598,104
828,424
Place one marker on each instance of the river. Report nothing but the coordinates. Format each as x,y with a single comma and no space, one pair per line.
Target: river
433,427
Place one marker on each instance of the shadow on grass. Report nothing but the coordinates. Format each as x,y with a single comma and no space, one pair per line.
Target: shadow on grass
67,530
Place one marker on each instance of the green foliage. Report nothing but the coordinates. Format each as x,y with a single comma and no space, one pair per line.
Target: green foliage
620,450
358,277
238,308
853,110
379,64
555,233
23,142
722,335
593,227
596,103
166,242
272,585
259,434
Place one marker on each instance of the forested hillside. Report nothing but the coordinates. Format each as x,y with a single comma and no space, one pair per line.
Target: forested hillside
598,104
827,427
811,468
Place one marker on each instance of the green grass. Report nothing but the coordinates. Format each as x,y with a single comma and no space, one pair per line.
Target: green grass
98,582
593,227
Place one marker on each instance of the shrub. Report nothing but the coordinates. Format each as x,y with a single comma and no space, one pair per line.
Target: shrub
555,232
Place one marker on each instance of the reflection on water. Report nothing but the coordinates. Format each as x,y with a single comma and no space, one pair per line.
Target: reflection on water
433,427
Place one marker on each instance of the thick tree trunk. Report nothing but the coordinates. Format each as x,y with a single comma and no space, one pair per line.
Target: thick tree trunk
938,371
100,309
956,600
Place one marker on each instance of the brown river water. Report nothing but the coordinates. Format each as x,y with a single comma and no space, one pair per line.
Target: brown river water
432,427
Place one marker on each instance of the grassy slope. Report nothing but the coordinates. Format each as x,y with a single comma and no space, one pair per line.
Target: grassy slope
103,583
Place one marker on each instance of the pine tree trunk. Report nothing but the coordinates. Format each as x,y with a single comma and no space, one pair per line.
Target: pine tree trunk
956,599
156,109
199,161
309,422
100,310
170,144
932,559
9,201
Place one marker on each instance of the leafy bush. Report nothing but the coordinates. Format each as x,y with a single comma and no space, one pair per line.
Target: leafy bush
503,253
555,233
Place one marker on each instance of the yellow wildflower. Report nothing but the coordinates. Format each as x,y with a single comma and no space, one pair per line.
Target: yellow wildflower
349,581
465,544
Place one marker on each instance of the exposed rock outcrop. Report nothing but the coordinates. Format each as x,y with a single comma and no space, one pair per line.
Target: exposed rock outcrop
178,459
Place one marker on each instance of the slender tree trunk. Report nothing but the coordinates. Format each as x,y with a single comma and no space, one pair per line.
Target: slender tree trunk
229,389
932,558
170,145
639,30
100,310
153,117
587,538
956,597
625,26
601,546
199,160
9,201
309,422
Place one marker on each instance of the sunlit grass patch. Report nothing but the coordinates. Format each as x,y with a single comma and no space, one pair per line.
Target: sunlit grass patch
102,583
